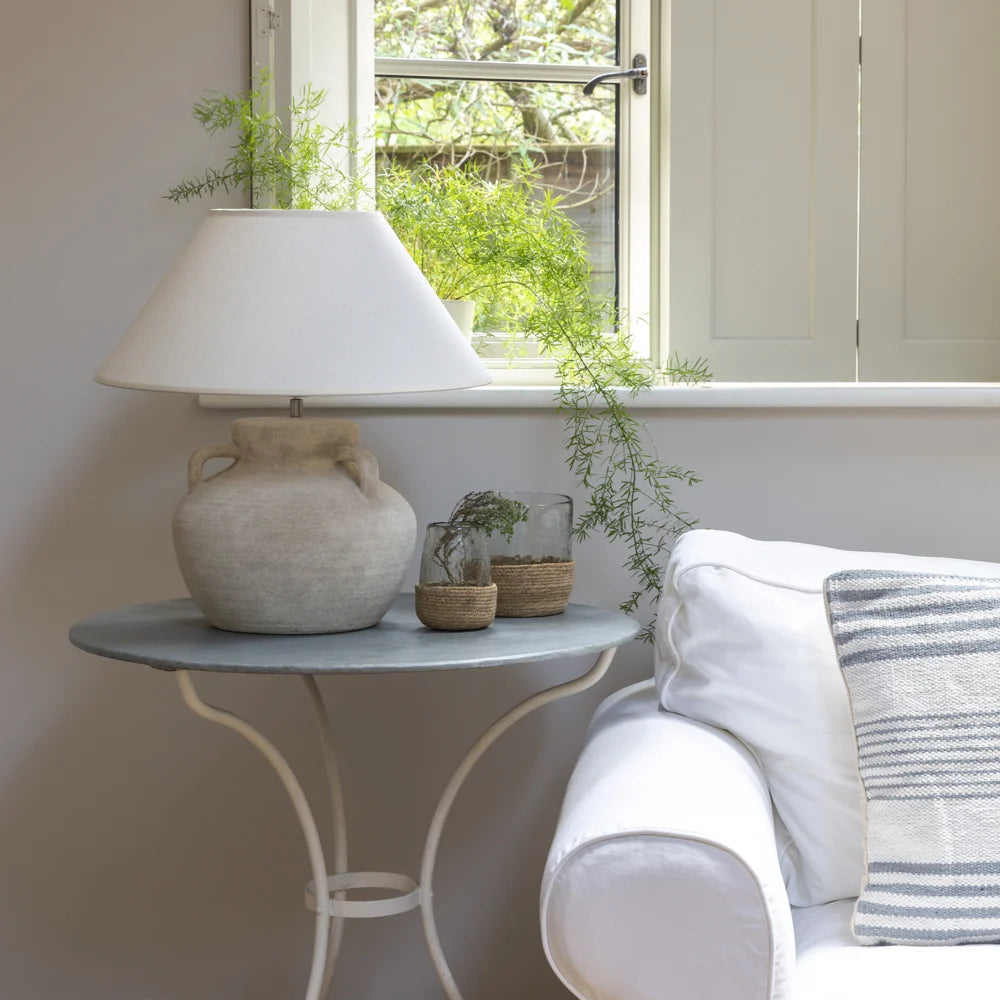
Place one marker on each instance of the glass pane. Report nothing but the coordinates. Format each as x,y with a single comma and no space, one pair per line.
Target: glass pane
494,133
533,31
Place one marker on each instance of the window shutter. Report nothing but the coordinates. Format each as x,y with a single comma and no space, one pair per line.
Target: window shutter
762,244
930,214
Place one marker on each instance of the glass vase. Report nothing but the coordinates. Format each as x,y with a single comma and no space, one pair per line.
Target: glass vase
533,571
454,556
455,593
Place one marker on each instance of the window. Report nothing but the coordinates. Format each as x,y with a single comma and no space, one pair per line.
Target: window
785,208
498,84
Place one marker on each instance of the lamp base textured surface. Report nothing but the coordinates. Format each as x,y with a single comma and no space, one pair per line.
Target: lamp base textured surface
299,535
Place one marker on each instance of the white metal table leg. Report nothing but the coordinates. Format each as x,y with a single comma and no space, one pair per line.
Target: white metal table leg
339,823
451,791
299,803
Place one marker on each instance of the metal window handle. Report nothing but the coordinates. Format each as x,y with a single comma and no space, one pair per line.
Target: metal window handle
638,74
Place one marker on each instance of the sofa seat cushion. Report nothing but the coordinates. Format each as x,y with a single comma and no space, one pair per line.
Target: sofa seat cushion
743,643
831,965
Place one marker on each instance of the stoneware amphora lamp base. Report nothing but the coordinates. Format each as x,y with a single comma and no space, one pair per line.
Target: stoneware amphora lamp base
298,535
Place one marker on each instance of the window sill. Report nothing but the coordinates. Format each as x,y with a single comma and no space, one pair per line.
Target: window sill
713,395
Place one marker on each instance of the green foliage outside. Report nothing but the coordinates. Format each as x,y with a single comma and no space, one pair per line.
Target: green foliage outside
491,122
541,31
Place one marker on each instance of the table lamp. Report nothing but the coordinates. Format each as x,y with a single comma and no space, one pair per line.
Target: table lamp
298,534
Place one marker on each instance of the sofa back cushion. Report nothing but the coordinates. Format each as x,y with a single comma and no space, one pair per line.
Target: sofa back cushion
743,643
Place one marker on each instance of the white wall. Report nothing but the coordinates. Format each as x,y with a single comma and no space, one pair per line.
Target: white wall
145,854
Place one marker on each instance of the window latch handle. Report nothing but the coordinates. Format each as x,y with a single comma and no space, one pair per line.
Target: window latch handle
638,74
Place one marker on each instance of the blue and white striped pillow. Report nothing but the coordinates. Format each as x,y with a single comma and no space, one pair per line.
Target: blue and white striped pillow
921,658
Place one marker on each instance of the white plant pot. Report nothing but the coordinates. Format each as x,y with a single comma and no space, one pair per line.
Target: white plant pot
463,312
298,535
497,346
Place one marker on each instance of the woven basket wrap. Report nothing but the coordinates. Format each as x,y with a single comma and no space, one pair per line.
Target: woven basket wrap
456,609
532,590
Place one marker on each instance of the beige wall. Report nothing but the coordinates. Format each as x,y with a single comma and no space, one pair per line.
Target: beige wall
145,854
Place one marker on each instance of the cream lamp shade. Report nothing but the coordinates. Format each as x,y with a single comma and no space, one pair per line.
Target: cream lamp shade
299,534
293,303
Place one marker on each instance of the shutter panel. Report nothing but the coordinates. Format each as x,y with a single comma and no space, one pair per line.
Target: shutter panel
761,262
930,215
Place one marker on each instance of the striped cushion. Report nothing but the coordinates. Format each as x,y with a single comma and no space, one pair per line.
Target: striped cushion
921,658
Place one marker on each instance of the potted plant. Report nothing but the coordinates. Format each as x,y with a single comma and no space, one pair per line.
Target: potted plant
466,233
455,592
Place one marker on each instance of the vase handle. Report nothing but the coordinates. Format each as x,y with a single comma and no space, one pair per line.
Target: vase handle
202,455
361,466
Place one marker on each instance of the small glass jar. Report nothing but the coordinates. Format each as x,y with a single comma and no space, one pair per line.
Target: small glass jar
455,593
454,557
545,537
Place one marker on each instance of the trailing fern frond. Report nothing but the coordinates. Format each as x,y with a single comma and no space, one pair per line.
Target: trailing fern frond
289,161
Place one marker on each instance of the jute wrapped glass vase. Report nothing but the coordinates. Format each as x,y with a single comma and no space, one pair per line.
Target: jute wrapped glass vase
455,593
534,570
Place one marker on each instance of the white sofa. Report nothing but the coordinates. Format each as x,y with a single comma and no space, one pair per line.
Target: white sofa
689,863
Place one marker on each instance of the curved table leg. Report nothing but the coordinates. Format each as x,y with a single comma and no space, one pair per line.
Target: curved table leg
299,803
339,823
448,797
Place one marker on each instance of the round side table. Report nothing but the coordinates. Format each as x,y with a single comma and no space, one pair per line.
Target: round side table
172,635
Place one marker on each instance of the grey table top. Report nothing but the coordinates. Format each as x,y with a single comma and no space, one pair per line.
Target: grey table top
172,635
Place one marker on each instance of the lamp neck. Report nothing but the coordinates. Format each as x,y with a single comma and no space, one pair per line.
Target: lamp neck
295,406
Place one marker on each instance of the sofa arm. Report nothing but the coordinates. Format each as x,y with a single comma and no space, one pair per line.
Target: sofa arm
663,877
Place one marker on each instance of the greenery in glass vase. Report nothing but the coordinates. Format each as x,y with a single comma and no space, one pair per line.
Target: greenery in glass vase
485,511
